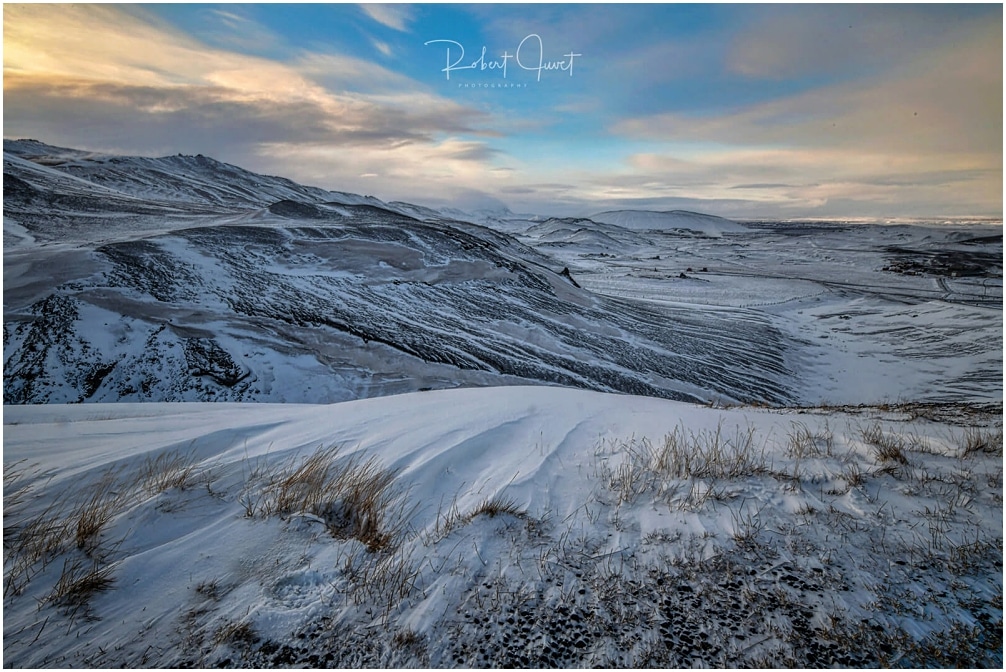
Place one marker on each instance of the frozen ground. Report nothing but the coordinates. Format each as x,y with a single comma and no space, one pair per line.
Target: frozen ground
881,313
185,279
851,517
520,527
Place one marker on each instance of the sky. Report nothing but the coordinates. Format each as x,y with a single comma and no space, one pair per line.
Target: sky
743,111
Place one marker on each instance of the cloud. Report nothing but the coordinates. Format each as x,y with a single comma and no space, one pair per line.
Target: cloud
892,127
233,29
433,172
393,16
134,86
927,133
951,100
766,185
776,42
814,182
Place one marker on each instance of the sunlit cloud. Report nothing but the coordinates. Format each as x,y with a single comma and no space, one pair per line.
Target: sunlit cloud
176,94
925,131
733,110
409,170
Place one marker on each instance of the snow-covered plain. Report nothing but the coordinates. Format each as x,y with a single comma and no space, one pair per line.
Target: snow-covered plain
877,313
851,517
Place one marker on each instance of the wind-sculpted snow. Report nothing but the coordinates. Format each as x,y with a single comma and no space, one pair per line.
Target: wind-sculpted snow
189,279
517,527
186,279
410,291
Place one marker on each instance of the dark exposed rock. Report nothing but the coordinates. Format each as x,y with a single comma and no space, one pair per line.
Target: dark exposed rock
565,274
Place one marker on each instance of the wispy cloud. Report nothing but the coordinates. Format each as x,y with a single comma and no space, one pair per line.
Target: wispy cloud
234,29
392,16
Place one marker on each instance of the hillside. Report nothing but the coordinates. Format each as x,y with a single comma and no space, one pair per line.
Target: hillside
637,440
513,527
186,279
670,220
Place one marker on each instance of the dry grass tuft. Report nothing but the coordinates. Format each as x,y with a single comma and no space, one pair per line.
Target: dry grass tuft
497,505
412,642
15,493
888,447
232,633
31,543
805,443
76,518
853,475
978,440
353,496
79,581
170,469
105,500
709,456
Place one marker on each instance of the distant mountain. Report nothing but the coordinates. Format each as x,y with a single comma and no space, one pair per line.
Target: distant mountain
709,225
187,279
584,233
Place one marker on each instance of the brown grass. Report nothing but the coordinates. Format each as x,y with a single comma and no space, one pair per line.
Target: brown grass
170,469
76,518
105,500
497,505
978,440
78,582
888,447
683,455
353,496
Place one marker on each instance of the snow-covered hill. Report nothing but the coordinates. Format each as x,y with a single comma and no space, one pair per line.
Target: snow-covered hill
502,527
670,220
585,234
516,522
182,278
190,180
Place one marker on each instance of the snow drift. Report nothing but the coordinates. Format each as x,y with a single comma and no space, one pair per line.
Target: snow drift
534,527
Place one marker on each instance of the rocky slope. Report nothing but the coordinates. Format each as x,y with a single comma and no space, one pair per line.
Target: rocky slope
183,278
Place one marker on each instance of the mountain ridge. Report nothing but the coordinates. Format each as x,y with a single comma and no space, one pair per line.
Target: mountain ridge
174,279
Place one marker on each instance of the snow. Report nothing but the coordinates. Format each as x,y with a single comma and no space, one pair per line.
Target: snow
561,456
709,225
853,520
862,334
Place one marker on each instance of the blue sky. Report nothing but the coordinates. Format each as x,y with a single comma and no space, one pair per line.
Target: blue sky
746,111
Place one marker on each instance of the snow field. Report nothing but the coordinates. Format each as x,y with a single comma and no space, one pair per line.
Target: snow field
520,526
